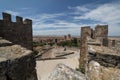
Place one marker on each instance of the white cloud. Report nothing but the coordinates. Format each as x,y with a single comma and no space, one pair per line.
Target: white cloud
61,27
107,13
104,14
26,8
59,23
79,8
46,17
12,12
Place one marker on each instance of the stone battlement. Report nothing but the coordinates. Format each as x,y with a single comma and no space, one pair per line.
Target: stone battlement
7,18
19,32
17,60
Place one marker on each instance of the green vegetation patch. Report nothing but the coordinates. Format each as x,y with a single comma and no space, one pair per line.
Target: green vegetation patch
35,44
69,43
81,69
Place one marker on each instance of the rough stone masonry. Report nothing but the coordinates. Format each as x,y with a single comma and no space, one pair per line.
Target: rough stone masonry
17,60
100,57
19,32
100,34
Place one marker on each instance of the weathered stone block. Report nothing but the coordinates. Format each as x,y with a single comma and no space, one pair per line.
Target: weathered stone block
101,31
22,68
19,19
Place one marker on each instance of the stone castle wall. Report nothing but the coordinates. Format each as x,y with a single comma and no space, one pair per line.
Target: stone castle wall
102,64
105,59
101,31
19,32
99,34
99,56
17,61
114,44
22,68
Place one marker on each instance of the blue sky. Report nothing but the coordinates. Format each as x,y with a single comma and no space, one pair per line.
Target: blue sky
62,17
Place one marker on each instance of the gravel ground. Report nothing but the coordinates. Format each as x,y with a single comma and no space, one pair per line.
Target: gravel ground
45,67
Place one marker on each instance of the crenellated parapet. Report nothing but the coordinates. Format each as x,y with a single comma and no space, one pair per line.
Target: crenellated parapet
16,56
19,32
8,18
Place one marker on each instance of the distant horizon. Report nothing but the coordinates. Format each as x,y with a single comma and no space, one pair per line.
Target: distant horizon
63,36
54,35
